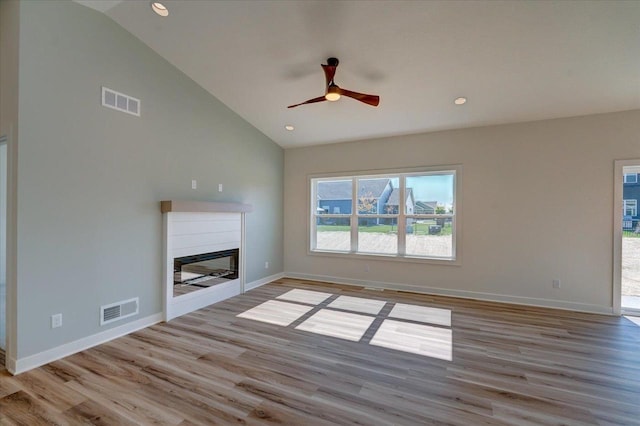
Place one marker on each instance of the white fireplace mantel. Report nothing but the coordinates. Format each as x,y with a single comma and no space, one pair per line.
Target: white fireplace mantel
195,227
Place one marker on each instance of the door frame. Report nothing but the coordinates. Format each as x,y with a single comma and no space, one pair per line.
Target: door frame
618,206
3,321
10,352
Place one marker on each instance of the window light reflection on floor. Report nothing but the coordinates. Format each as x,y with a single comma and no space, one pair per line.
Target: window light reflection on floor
635,320
305,296
434,342
276,312
401,333
358,304
421,314
343,325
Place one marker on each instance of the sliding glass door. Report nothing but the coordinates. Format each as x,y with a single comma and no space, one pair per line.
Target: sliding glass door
627,237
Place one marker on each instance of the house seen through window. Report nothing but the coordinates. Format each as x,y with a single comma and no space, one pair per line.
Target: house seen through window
392,214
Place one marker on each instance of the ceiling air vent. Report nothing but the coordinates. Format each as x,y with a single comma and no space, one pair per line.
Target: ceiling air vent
120,101
119,310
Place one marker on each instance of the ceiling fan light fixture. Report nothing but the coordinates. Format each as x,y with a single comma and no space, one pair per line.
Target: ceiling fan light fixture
333,93
460,101
159,8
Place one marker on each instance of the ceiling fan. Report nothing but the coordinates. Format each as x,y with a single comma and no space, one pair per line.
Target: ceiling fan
333,92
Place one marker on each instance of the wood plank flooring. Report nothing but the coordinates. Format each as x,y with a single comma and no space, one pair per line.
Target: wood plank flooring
511,365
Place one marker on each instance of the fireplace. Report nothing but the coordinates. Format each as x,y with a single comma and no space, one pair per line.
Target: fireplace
202,254
205,270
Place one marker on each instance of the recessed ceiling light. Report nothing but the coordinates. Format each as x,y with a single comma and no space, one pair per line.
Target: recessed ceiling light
460,101
289,127
159,8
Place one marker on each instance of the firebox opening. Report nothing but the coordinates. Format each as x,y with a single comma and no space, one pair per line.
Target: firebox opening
204,270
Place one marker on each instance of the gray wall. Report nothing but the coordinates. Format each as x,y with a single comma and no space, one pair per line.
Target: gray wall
537,205
90,179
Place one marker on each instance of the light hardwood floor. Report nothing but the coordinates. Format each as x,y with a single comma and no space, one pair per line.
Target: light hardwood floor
511,365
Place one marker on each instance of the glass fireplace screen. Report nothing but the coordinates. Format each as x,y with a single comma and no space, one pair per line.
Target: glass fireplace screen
204,270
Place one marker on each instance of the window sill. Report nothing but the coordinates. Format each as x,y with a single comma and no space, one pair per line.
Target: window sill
386,257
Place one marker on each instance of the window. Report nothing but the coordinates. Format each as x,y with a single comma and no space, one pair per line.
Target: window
630,207
398,215
630,178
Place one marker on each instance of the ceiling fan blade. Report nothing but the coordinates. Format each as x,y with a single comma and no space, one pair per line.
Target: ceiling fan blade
310,101
372,100
329,72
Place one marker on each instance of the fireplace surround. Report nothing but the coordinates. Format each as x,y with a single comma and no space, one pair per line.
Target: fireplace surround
203,254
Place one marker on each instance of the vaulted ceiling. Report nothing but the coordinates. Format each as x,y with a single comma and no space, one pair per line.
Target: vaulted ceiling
514,60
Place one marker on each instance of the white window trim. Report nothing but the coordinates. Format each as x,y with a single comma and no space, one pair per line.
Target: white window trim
635,176
633,204
455,260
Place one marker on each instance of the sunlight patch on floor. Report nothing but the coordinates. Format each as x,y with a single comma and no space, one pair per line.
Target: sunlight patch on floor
397,334
421,314
434,342
342,325
276,312
358,304
305,296
635,320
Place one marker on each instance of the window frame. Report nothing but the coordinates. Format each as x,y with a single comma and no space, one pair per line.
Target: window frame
401,216
630,202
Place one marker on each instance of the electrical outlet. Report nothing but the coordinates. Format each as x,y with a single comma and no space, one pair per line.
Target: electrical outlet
219,187
56,320
556,283
266,265
194,184
366,268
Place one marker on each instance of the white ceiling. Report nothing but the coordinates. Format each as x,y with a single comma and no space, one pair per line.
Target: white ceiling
514,60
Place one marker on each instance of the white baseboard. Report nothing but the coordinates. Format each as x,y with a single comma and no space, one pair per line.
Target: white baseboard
10,364
491,297
263,281
21,365
17,366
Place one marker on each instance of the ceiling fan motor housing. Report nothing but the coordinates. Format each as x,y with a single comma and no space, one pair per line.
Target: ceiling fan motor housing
333,62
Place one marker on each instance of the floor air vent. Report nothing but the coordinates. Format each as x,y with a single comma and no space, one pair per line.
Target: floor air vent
120,101
118,311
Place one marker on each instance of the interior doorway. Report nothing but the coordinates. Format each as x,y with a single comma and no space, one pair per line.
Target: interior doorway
627,238
3,245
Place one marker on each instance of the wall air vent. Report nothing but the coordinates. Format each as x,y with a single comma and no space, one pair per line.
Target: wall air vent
120,101
119,310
